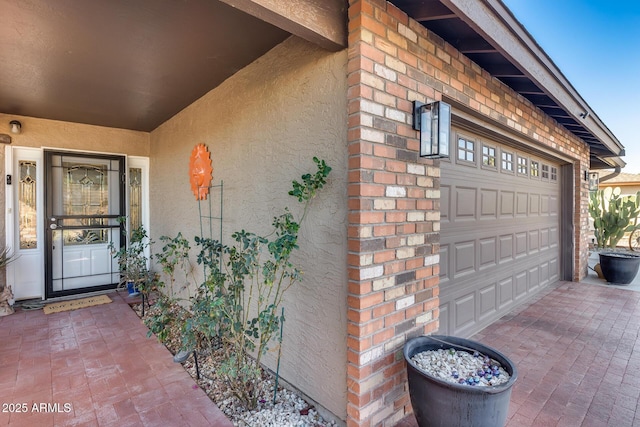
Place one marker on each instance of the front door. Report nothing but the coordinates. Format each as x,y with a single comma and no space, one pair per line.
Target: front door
83,201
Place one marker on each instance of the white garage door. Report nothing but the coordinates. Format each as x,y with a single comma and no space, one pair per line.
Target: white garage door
500,231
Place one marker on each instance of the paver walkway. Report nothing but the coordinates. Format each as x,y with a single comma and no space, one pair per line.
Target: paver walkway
577,351
575,346
94,367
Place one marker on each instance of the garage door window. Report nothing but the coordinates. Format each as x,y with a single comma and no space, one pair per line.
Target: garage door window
545,172
466,150
488,156
523,166
507,162
535,169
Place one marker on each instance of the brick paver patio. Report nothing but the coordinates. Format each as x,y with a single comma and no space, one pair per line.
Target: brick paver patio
94,367
577,353
575,346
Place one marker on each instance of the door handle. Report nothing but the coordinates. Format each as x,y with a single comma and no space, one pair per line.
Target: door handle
53,226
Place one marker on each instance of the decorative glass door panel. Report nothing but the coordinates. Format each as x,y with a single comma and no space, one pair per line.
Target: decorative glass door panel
84,200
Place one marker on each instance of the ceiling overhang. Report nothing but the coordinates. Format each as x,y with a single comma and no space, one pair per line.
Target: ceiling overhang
488,34
135,64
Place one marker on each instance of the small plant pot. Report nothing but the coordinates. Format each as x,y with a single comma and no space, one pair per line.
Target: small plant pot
619,268
132,289
437,402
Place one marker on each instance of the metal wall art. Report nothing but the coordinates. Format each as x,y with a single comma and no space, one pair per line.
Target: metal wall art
200,171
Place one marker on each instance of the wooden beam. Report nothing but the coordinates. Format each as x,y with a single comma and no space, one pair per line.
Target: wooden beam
323,22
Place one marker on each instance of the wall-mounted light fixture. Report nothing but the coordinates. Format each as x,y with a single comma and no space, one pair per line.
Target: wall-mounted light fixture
16,126
433,120
584,114
594,180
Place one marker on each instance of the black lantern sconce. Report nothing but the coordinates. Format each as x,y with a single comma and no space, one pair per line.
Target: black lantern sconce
433,120
594,180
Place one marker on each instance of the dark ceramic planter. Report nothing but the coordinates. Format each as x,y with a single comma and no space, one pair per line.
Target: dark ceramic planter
619,268
439,403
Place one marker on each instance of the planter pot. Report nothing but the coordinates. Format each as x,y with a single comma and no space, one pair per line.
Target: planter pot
439,403
132,289
619,268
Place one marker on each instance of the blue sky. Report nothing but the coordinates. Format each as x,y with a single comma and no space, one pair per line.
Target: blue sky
596,45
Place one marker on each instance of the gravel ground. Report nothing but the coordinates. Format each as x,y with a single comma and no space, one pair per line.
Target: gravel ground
289,409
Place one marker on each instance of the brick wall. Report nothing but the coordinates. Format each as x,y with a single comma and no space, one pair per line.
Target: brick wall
394,211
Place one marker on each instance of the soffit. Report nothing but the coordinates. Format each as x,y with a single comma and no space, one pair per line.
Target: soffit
121,63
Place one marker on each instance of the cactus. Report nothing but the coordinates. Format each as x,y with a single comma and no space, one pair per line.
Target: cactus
613,215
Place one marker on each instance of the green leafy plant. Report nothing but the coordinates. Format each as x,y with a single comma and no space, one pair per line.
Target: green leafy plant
612,215
244,288
174,256
159,320
5,256
133,260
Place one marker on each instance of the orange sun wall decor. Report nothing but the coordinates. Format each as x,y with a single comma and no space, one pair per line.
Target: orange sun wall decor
200,171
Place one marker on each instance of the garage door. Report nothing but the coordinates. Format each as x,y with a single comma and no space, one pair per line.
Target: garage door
500,227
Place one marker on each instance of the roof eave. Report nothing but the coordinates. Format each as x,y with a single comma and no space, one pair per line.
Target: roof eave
498,26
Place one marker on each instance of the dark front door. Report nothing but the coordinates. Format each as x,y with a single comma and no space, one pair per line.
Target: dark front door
84,198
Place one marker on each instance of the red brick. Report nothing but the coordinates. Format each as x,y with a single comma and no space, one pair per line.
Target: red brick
357,372
384,151
383,309
381,257
394,267
394,369
361,147
366,162
361,344
395,166
384,230
396,90
381,390
359,316
385,47
372,25
413,264
398,14
384,178
371,52
359,400
406,180
366,190
406,204
356,287
382,336
366,217
396,216
394,318
414,311
367,301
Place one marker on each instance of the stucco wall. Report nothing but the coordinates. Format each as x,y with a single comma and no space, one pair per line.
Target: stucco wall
262,127
76,136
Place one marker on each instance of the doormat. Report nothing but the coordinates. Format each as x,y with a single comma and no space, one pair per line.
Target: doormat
75,304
